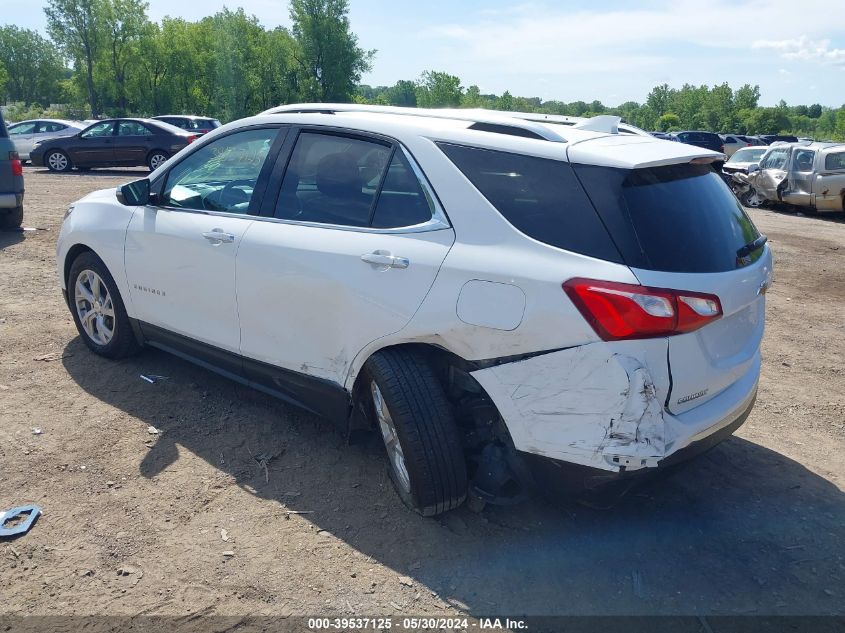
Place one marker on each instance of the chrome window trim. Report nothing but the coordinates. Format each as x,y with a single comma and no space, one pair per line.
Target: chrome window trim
438,222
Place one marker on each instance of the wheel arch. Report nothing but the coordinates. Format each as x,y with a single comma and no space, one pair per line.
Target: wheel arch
156,150
73,252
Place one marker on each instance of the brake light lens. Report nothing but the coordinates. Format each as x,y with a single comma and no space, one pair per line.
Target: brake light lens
619,311
17,165
192,138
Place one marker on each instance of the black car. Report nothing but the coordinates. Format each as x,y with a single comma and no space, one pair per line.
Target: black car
194,124
707,140
773,138
11,181
113,143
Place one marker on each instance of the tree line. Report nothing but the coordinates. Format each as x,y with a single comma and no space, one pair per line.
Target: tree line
106,57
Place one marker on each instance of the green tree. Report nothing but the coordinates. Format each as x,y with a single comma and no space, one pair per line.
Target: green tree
669,121
124,25
77,28
814,111
438,90
330,62
746,97
660,99
33,68
403,93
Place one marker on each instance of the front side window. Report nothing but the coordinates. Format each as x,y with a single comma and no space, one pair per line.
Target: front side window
835,161
220,176
332,180
132,128
802,160
99,130
22,128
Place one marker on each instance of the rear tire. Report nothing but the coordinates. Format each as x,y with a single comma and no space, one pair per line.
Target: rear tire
417,424
101,318
156,158
56,160
12,219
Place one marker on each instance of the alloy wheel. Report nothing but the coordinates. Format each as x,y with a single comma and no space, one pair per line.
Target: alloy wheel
391,438
57,161
157,160
94,307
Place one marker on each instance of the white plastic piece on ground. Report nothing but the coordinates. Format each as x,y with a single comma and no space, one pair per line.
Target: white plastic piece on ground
585,405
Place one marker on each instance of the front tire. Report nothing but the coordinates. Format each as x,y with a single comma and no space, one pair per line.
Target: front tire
417,424
12,219
57,161
98,310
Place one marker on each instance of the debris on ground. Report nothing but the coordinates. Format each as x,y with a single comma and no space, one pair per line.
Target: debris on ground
224,534
52,356
153,430
153,378
228,553
18,520
36,431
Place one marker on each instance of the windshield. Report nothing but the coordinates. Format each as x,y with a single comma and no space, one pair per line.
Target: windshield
749,155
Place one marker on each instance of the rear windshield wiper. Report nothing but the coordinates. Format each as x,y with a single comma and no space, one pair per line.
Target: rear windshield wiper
752,246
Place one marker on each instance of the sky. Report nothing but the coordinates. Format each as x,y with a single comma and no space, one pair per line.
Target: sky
613,51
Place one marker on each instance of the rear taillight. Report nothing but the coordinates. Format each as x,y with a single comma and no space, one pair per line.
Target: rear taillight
192,138
17,166
619,311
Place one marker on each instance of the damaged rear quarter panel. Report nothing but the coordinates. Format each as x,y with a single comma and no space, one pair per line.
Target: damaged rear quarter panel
598,405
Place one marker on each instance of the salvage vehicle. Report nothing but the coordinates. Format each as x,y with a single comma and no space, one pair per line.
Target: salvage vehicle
805,175
192,123
511,304
743,158
11,181
113,143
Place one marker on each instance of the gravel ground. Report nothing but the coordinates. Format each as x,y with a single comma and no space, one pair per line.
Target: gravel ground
188,522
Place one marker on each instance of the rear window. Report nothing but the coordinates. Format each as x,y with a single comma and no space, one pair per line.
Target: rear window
540,197
676,218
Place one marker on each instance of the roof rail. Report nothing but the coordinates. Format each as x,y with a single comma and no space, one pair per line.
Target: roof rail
487,120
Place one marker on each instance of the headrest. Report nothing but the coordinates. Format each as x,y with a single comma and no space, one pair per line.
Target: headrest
338,175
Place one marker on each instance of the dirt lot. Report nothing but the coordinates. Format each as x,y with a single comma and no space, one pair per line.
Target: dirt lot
188,521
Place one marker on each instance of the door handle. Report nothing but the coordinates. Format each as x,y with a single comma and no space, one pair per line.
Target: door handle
217,236
380,258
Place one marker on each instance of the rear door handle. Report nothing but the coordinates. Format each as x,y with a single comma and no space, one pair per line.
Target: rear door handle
385,259
217,236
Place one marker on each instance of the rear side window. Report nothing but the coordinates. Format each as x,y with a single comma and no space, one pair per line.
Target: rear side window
540,197
350,181
132,128
835,161
676,218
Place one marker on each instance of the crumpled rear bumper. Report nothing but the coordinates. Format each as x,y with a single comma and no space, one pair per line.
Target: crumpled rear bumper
601,407
559,477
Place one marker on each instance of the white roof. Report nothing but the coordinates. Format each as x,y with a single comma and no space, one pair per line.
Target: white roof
594,141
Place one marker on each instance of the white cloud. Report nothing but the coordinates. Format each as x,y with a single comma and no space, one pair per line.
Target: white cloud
804,49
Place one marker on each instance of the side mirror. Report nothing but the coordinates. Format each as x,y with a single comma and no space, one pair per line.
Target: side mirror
135,193
753,167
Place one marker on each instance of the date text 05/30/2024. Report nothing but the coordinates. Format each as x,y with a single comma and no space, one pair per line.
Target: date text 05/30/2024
412,623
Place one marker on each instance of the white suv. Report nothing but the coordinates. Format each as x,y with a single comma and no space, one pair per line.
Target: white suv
513,303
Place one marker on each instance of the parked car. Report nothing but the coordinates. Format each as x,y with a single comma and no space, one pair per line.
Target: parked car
27,133
772,138
754,141
666,136
733,142
113,143
807,175
708,140
194,124
509,303
11,181
743,158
